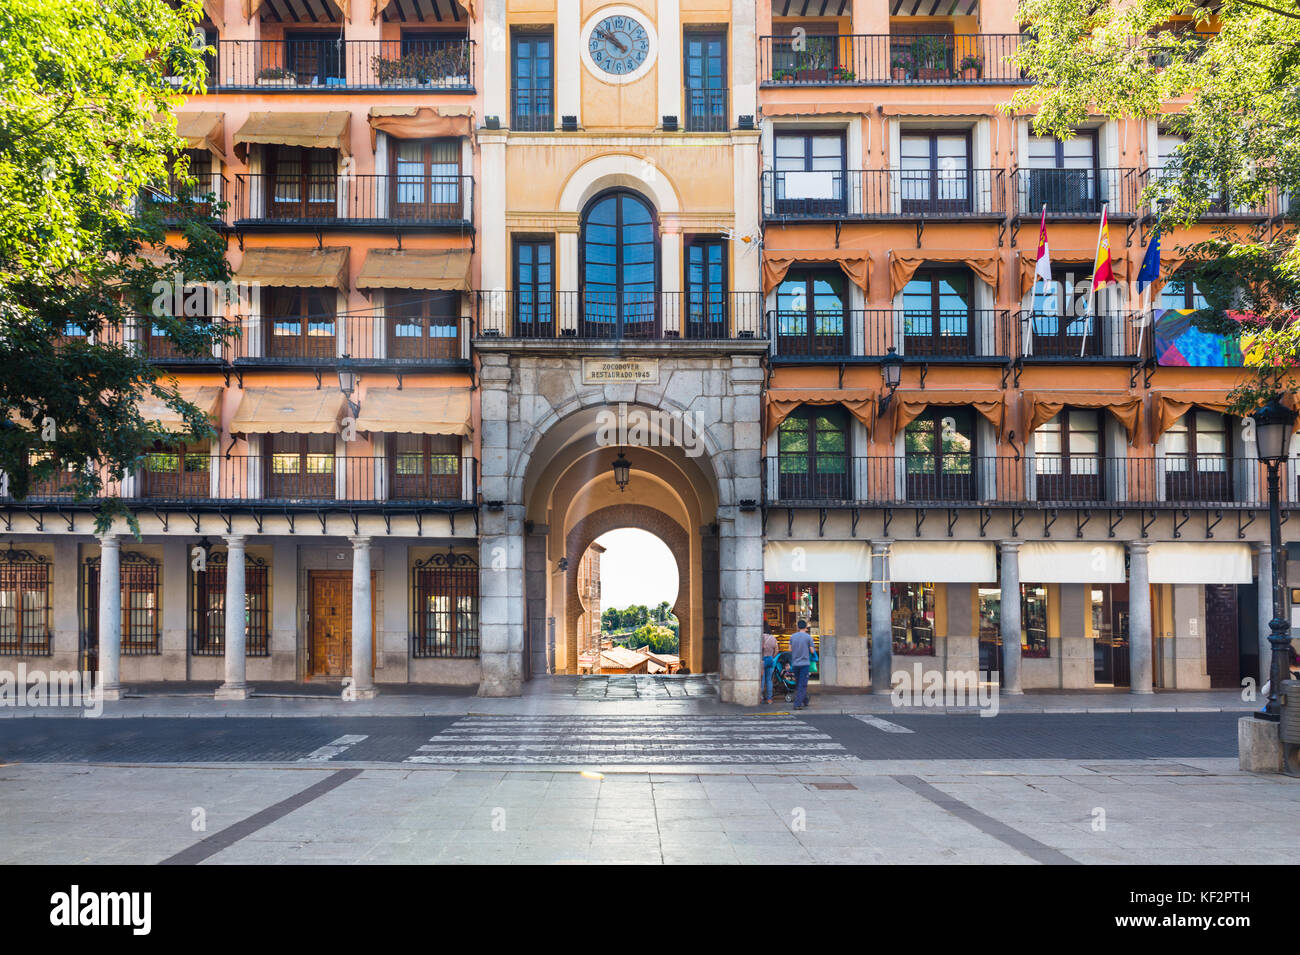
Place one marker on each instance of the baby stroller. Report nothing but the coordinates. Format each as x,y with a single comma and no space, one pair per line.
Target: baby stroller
783,680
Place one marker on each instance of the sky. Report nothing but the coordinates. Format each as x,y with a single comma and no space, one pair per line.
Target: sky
636,568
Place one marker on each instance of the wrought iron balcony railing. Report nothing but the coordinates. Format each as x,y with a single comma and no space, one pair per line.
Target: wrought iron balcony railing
835,194
330,64
954,479
310,479
1157,181
1077,193
814,59
627,315
870,333
352,201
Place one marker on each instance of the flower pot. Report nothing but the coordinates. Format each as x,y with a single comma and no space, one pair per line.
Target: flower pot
931,73
279,81
899,74
812,76
970,73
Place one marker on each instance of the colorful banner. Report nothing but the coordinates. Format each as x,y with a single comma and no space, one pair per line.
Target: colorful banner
1181,343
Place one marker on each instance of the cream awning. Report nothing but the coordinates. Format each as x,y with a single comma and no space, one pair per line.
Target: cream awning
942,562
415,411
1201,563
203,131
425,269
289,411
206,399
821,561
296,268
315,130
1071,562
421,122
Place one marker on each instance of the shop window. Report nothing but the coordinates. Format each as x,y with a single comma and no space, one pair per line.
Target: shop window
1033,624
912,618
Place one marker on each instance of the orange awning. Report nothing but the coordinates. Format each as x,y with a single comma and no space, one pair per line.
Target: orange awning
1042,406
289,411
421,122
415,411
425,269
203,131
296,268
312,130
377,7
903,265
910,403
1168,407
206,399
855,263
780,402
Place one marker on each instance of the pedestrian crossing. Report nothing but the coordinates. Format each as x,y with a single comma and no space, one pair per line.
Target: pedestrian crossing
621,740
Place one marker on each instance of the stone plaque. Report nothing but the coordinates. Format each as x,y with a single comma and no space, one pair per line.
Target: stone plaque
599,371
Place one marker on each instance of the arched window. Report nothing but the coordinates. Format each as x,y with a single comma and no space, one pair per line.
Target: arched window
620,267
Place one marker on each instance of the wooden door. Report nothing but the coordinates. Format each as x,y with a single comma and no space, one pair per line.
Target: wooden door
329,648
1222,655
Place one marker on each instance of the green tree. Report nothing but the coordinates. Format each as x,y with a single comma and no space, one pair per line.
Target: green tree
1241,121
661,611
658,639
611,620
85,130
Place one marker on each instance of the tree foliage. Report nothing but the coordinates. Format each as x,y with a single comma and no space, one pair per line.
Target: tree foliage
86,131
1226,77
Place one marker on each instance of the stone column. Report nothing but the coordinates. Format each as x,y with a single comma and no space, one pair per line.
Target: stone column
882,625
110,617
1010,615
501,601
740,554
1264,611
363,636
236,686
1139,618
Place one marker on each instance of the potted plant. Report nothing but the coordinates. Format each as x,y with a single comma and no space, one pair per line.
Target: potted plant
451,65
782,76
842,74
900,67
812,64
276,76
932,58
971,67
387,71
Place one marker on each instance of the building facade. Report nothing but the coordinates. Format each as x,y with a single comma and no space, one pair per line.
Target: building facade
514,273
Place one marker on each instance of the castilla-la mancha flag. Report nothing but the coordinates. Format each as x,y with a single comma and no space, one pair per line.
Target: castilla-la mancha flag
1102,271
1043,265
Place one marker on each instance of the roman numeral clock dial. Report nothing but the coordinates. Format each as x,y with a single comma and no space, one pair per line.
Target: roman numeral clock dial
618,47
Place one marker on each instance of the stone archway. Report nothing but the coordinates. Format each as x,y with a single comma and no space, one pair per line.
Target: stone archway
648,519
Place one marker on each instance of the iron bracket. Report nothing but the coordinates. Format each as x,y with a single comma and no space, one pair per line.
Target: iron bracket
986,515
1081,519
821,522
887,518
1114,522
920,515
1146,523
1209,528
1047,524
1178,525
1017,516
1241,528
853,530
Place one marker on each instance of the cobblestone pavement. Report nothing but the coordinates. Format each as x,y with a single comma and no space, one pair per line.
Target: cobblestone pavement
621,741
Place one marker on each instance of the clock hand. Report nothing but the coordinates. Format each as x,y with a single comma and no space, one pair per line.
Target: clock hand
612,39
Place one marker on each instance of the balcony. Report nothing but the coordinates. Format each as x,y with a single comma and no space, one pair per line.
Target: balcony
1114,335
1077,193
532,109
268,202
205,194
332,65
1215,482
882,60
973,335
323,340
706,109
602,316
169,479
884,194
1223,209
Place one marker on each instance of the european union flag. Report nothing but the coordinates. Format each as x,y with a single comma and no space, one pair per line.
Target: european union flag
1150,270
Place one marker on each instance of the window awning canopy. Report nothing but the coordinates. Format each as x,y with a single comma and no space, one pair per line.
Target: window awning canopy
425,269
313,130
1168,407
854,263
1071,562
1206,562
942,562
296,268
1042,406
910,403
821,561
860,403
421,122
289,411
206,399
204,130
377,7
251,7
903,265
416,411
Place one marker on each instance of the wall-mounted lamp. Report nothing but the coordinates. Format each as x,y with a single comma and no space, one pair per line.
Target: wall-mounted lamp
348,379
622,471
891,371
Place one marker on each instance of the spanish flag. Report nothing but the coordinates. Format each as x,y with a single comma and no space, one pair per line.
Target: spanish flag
1102,271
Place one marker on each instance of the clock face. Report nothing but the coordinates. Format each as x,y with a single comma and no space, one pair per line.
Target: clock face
619,45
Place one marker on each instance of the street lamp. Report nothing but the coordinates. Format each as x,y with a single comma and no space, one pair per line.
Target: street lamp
348,379
622,471
891,370
1274,424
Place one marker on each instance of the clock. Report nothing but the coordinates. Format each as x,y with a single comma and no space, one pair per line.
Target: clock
617,45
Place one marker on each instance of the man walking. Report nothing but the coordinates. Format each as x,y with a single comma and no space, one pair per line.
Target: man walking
801,648
769,661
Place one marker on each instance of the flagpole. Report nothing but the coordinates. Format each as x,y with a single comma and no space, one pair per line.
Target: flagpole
1092,292
1027,332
